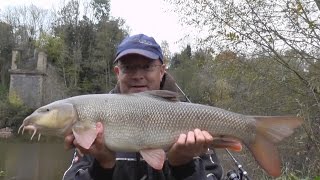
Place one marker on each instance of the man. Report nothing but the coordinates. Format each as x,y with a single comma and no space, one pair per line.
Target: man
139,67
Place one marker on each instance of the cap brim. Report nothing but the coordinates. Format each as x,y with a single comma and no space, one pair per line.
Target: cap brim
141,52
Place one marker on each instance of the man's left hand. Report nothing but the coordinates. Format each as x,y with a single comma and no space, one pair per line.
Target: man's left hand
188,146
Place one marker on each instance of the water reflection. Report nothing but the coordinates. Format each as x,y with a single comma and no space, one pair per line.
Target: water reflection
23,160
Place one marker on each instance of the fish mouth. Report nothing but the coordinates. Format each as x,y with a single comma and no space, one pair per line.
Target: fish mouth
29,128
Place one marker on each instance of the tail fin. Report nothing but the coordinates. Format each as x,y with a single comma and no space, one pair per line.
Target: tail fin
271,130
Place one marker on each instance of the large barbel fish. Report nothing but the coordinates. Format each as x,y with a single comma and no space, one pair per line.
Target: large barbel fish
150,122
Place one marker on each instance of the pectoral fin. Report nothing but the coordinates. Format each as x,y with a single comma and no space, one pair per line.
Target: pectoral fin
154,157
85,133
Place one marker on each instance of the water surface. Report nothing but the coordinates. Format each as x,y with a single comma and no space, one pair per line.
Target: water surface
31,160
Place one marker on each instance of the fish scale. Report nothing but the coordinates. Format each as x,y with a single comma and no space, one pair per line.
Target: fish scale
141,118
150,122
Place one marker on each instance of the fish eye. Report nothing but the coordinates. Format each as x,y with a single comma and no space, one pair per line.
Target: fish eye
44,110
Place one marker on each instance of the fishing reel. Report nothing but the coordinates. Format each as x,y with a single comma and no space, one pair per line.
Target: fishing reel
239,174
233,175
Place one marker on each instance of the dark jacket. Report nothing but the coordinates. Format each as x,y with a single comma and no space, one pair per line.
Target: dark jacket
129,166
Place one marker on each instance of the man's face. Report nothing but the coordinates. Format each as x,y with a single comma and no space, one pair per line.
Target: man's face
137,73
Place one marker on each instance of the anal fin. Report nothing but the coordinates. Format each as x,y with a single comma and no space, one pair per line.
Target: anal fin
229,143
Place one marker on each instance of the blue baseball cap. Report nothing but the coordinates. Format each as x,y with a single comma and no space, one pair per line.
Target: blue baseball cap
140,44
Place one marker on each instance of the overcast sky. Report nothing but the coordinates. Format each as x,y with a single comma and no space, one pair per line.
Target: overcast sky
150,17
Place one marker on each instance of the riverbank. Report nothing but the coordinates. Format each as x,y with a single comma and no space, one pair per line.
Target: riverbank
6,133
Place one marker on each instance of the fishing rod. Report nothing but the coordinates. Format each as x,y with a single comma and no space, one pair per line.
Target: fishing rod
240,173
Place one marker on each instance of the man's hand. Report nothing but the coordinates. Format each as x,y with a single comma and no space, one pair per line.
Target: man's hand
188,146
98,150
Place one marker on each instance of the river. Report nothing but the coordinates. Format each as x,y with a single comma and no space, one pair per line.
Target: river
32,160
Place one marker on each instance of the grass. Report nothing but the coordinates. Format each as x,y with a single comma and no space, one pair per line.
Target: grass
2,173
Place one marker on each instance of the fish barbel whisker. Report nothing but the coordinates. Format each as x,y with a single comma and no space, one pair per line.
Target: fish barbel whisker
30,127
22,126
34,133
39,135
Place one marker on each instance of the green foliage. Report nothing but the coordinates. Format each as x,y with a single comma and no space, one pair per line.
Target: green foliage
11,114
53,46
293,176
183,57
256,86
275,70
108,36
14,99
3,92
2,173
232,36
166,52
187,70
6,45
101,8
84,49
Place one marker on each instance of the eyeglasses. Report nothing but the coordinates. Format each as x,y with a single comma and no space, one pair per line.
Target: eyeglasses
133,68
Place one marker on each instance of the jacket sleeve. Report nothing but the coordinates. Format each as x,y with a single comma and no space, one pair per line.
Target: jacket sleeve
205,167
86,168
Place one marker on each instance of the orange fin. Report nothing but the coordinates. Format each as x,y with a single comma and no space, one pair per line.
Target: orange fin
271,130
154,157
228,143
85,133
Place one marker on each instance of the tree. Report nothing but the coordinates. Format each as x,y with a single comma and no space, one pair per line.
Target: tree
108,36
276,66
67,27
166,52
6,45
253,27
89,46
184,56
101,9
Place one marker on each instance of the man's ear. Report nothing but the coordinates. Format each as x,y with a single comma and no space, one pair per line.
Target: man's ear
116,70
162,71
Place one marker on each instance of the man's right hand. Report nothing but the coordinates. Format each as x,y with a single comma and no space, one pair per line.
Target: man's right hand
98,150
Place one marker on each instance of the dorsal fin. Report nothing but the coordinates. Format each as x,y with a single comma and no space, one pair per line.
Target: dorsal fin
162,94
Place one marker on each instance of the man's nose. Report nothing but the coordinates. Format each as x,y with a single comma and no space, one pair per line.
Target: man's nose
138,73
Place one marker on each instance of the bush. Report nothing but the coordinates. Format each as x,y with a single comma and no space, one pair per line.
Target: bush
11,115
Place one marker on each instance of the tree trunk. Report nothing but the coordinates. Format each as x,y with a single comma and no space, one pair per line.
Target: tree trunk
318,4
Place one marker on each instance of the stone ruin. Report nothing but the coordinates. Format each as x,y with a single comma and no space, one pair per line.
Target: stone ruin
33,81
